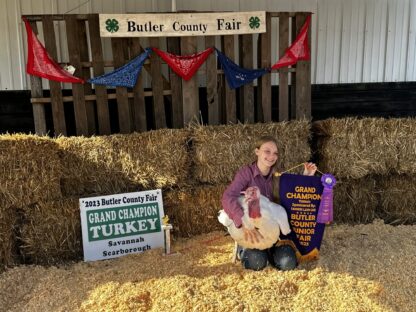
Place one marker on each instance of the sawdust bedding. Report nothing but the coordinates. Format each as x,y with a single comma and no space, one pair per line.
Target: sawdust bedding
362,268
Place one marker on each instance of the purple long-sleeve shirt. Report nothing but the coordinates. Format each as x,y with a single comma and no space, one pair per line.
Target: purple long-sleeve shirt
248,175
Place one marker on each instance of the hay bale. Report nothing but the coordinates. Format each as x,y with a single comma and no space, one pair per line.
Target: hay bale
124,163
91,166
354,148
8,219
154,159
355,200
398,205
219,151
404,129
52,232
194,210
30,170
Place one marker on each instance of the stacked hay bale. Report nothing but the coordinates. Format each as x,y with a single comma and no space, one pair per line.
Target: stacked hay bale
218,152
30,172
362,154
99,166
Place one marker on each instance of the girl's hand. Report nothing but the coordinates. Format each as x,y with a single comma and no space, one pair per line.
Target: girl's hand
310,169
253,235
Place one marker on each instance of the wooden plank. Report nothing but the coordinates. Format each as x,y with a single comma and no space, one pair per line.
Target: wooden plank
103,114
212,81
81,119
190,90
173,45
157,86
283,76
85,74
58,113
265,81
303,78
37,92
292,109
247,90
139,107
124,114
230,101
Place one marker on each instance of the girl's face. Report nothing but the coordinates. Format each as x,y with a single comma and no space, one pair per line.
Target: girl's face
266,155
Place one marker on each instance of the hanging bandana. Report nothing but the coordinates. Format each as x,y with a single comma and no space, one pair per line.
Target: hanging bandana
299,49
236,75
39,62
185,66
124,76
325,211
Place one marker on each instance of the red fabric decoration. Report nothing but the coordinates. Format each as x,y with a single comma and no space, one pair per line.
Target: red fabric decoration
299,49
39,62
185,66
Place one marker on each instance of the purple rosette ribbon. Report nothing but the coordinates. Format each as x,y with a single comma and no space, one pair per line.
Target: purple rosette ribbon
326,209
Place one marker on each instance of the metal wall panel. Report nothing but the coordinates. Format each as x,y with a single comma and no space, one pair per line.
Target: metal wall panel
352,41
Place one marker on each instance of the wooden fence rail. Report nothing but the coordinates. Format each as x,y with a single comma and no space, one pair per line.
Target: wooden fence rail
174,101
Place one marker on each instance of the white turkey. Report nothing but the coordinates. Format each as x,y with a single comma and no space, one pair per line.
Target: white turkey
259,212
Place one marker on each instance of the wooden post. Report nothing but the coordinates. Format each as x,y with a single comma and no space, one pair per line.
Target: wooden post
81,119
264,98
230,101
98,69
212,84
303,77
157,86
58,114
247,90
190,92
283,75
37,92
176,85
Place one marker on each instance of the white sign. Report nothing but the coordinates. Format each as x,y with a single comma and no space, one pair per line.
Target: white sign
122,224
182,24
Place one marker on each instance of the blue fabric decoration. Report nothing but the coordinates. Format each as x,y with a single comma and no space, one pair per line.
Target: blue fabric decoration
124,76
236,75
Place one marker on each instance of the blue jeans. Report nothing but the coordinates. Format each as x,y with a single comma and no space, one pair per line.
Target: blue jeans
282,257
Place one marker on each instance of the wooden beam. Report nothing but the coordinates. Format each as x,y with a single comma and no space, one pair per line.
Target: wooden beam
190,92
264,101
212,83
176,85
230,101
58,113
247,90
283,76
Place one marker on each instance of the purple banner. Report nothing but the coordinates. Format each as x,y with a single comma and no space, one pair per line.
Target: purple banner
301,195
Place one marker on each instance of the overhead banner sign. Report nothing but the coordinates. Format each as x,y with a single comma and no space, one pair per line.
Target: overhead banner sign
122,224
182,24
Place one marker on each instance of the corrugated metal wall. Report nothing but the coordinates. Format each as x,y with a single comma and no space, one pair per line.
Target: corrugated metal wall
352,41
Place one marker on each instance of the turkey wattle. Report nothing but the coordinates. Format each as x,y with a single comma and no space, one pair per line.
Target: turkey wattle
259,212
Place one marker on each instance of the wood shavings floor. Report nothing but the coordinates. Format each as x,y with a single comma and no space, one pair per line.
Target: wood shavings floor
362,268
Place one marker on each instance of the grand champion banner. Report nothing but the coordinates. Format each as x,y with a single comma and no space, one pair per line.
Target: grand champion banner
121,224
182,24
301,196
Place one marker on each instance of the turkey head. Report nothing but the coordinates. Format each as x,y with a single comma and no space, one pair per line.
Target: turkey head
252,198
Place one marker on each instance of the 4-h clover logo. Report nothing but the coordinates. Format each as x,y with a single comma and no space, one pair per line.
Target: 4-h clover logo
112,25
254,22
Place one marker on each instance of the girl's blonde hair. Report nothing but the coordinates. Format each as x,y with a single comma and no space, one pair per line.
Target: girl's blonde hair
265,139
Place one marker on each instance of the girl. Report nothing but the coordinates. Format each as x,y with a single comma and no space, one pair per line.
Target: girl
260,174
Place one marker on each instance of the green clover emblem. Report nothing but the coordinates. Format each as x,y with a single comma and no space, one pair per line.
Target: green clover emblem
254,22
112,25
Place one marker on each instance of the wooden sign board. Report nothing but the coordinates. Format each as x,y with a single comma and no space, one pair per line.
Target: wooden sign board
182,24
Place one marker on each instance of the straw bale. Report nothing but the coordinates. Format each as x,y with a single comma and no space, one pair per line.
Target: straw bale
356,200
154,159
404,129
219,151
30,170
398,204
194,210
354,148
8,218
52,232
124,163
91,166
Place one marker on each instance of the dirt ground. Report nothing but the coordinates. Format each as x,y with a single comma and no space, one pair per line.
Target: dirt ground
362,268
